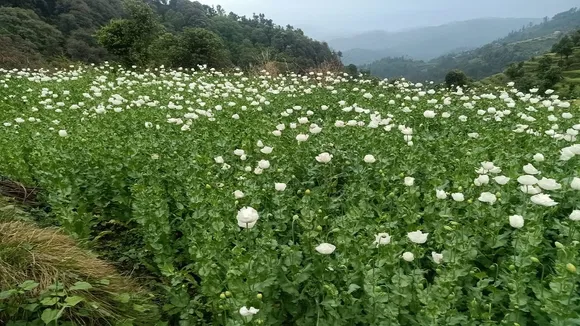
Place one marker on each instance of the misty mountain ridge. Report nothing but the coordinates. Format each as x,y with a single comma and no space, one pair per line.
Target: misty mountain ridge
428,42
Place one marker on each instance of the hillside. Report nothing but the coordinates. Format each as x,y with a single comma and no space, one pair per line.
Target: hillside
549,71
36,32
487,60
427,42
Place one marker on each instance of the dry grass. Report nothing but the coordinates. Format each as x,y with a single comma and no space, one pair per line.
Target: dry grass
47,256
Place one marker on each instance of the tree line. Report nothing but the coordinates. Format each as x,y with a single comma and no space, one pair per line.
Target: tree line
175,33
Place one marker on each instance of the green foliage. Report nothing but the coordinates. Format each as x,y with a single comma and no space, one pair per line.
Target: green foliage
58,304
456,78
192,47
130,39
351,70
141,153
136,35
24,27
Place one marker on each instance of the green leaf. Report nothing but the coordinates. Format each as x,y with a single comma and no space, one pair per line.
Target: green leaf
81,286
49,315
123,297
74,300
49,301
31,306
7,294
352,288
28,285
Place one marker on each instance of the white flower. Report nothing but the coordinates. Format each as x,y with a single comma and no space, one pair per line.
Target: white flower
501,180
437,258
239,152
324,157
441,194
219,159
481,180
527,180
258,171
487,166
279,186
148,125
575,184
575,216
266,150
245,312
408,256
530,169
303,120
325,248
417,237
264,164
369,159
260,143
62,133
302,137
517,221
487,197
457,196
409,181
315,129
277,133
382,239
339,123
539,157
238,194
549,184
531,190
543,200
247,216
429,114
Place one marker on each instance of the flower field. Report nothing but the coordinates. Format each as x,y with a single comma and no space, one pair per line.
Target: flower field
317,199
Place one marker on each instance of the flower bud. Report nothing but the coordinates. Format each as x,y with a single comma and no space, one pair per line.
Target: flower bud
448,228
307,192
228,294
259,296
512,267
559,245
535,260
571,268
222,295
319,228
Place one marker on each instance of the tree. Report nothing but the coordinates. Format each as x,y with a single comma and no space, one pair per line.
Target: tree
565,47
544,64
195,46
515,71
130,38
351,70
456,77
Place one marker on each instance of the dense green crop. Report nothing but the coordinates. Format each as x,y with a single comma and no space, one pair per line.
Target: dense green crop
295,199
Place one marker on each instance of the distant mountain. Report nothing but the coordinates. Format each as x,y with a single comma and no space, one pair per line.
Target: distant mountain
486,60
427,42
362,56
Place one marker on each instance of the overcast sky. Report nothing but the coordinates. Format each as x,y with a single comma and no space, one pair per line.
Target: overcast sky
335,18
